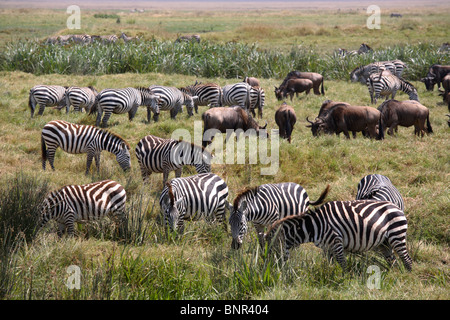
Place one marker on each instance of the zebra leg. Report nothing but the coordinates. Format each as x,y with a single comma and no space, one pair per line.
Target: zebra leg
260,232
105,119
70,223
337,250
41,109
90,156
387,252
132,113
165,177
61,229
99,117
97,161
51,157
399,246
178,172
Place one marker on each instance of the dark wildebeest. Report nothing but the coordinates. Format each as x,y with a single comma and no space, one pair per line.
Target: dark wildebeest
316,78
446,93
438,72
254,82
345,118
296,86
285,118
405,113
228,120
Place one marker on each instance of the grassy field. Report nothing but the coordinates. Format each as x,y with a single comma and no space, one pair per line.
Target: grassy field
200,264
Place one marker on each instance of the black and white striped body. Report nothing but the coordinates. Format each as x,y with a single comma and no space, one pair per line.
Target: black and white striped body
202,196
263,206
80,38
257,101
237,94
46,96
208,94
126,100
160,155
171,99
105,39
379,187
352,226
386,84
80,97
74,138
77,203
362,73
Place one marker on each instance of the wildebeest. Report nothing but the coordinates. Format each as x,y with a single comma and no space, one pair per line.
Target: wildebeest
296,86
396,15
285,118
405,113
345,118
446,93
316,78
438,72
254,82
228,120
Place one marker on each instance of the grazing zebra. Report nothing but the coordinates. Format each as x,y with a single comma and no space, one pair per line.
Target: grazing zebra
123,100
172,99
81,97
353,226
156,154
202,196
385,84
80,38
257,100
237,94
379,187
105,39
74,138
46,96
265,204
76,203
208,94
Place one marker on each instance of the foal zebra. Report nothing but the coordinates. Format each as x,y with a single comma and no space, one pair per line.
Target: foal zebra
208,94
265,204
202,196
379,187
46,96
385,84
354,226
121,101
171,98
156,154
75,203
74,138
81,97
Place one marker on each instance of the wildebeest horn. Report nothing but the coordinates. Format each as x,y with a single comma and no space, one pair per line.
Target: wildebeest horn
309,120
265,126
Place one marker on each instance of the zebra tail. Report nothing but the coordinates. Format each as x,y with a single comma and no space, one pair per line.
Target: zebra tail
44,150
94,107
380,129
322,197
30,104
429,128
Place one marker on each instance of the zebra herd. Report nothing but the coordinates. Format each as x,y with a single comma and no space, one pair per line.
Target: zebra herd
87,39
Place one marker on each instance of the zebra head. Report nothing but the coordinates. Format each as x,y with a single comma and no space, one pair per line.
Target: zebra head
189,102
172,209
355,74
238,224
123,156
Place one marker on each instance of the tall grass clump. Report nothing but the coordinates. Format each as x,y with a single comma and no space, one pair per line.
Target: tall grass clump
206,59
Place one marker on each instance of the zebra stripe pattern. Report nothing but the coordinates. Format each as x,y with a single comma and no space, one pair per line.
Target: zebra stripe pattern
46,96
81,97
385,84
353,226
156,154
105,39
362,73
237,94
75,203
379,187
125,100
264,205
208,94
202,196
74,138
171,99
80,38
257,101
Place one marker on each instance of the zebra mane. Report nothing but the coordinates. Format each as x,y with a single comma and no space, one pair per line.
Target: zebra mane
193,145
115,135
170,194
407,82
243,193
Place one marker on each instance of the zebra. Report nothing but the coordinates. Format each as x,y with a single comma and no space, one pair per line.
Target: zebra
202,196
74,138
208,94
80,38
237,94
171,98
188,38
353,226
379,187
46,96
257,100
155,154
105,39
80,97
265,204
362,73
122,101
76,203
385,84
127,38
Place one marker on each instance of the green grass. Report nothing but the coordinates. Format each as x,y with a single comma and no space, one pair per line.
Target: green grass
141,261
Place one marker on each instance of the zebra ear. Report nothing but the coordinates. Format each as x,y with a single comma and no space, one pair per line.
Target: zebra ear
229,206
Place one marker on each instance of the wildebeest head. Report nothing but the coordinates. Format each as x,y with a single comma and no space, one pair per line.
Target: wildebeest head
429,83
278,93
315,126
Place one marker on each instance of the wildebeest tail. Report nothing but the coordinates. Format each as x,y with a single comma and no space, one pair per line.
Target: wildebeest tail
321,198
380,129
322,89
429,128
287,126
